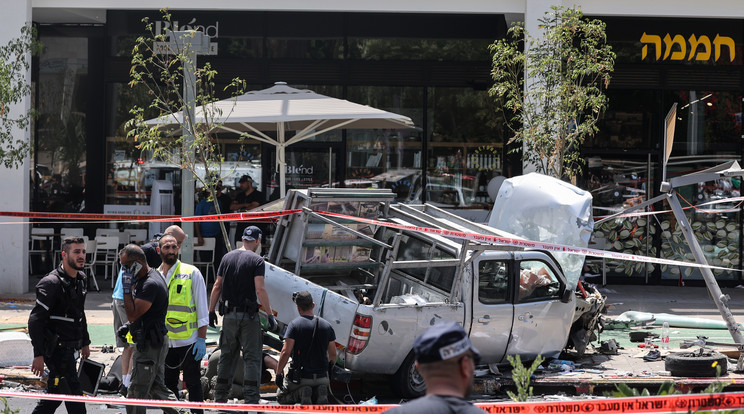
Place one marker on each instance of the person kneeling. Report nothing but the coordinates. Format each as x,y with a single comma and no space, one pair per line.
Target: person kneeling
311,342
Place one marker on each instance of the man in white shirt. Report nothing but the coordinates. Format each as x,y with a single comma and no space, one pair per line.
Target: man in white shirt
186,320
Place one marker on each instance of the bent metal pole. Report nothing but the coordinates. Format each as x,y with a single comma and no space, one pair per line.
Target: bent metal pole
710,281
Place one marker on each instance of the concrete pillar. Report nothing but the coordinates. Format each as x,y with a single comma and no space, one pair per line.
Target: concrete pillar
533,11
15,181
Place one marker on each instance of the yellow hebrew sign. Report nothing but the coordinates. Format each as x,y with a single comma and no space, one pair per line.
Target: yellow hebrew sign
677,47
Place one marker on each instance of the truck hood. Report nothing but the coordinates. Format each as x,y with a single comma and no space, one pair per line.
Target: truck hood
542,208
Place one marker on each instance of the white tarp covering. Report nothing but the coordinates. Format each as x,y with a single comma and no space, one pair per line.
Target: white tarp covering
542,208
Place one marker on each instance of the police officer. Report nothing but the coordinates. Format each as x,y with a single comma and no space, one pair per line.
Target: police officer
446,359
186,320
311,342
240,282
58,328
146,303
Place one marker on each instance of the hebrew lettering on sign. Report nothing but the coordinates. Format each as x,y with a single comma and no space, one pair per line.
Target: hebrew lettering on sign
676,47
694,43
669,42
725,41
656,40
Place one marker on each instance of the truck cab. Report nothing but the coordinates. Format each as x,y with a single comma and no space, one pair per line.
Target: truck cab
381,273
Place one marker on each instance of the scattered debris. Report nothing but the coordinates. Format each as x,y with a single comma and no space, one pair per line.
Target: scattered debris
609,347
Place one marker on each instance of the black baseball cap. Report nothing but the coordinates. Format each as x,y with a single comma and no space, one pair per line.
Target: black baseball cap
244,178
441,342
251,233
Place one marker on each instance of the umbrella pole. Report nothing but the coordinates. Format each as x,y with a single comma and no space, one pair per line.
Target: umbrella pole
281,161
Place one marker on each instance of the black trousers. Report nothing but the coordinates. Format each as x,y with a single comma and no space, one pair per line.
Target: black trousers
182,358
63,379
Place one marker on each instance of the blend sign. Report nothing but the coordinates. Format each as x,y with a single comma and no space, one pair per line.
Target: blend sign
164,27
678,48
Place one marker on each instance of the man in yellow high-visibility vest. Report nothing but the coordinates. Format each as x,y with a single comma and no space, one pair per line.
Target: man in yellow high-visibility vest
186,320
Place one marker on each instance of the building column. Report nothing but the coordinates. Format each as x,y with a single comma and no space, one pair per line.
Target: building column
534,10
15,183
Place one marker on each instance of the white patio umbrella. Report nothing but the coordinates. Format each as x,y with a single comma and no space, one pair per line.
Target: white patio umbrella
281,108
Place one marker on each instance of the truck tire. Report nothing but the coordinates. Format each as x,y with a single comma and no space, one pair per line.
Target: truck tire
692,364
407,381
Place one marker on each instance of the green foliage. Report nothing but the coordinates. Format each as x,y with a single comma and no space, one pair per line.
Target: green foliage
521,376
161,76
552,92
7,409
623,390
14,64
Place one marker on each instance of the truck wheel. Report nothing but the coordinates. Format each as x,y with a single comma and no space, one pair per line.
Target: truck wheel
407,381
692,364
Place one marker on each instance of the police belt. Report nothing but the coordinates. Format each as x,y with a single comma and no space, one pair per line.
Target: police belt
246,308
307,375
70,344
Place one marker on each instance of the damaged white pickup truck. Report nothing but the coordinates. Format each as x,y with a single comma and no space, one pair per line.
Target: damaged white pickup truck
380,286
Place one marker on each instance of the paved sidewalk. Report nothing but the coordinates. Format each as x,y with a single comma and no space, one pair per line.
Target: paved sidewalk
685,301
627,366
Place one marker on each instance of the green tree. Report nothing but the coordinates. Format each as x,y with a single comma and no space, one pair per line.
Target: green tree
161,76
552,92
14,64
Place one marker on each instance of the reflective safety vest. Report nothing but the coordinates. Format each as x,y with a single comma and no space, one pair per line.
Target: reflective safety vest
181,319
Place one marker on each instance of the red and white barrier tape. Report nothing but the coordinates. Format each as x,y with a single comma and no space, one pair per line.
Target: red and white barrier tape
680,403
553,247
147,218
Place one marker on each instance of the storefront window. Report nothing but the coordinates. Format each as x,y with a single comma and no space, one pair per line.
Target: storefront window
131,172
465,150
60,153
306,168
713,219
708,122
386,158
305,48
629,123
619,184
419,49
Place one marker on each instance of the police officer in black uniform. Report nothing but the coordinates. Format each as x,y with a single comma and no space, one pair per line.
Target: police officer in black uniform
58,328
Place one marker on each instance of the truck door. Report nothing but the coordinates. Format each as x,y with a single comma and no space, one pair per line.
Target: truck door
541,321
493,311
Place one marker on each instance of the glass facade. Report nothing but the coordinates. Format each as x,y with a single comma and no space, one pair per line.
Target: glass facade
59,179
433,68
624,167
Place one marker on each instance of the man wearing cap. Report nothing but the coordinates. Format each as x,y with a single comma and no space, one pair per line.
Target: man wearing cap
311,342
446,359
247,198
239,287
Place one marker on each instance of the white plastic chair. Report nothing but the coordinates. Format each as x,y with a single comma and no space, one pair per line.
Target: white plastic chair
42,243
208,262
90,261
107,232
138,236
107,249
124,237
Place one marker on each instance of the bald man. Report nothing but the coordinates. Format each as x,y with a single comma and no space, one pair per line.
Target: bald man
151,251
